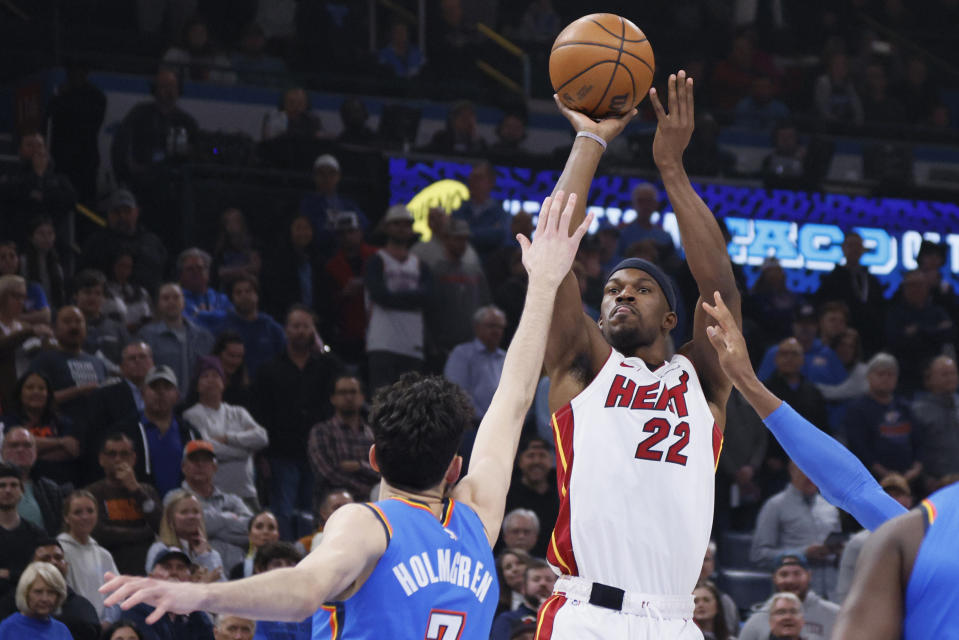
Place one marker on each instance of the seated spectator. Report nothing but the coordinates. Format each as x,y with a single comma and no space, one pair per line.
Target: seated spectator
293,274
879,425
878,107
327,503
125,234
820,364
36,308
42,499
18,535
645,201
917,329
356,131
835,96
537,587
262,529
403,58
733,76
105,336
728,605
789,384
202,304
511,572
225,515
252,63
229,350
232,432
229,627
195,58
34,188
935,416
13,356
263,337
76,612
123,630
56,438
861,292
476,366
325,205
278,555
128,511
175,340
339,448
460,135
753,462
798,520
760,109
786,617
182,529
40,593
786,165
162,436
791,574
488,222
520,529
510,135
175,565
344,275
125,302
535,489
73,374
848,349
88,561
234,254
40,261
293,119
708,612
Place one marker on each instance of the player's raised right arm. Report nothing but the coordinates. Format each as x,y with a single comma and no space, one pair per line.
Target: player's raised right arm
569,333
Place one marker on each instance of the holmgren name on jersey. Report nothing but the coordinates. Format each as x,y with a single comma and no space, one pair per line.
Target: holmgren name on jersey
420,571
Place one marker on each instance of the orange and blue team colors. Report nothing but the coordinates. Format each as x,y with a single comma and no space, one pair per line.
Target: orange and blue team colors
932,599
437,576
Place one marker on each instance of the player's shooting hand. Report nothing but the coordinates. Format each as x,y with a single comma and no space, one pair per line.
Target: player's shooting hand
727,339
167,597
676,127
549,256
607,128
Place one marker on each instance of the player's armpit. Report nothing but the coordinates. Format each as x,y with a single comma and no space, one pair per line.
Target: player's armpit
874,608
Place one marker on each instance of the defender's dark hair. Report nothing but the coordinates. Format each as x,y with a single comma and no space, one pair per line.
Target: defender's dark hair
275,551
418,424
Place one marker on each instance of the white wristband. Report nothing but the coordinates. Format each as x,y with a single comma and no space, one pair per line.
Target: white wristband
592,136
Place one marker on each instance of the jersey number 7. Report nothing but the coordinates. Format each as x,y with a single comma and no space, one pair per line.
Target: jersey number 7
445,625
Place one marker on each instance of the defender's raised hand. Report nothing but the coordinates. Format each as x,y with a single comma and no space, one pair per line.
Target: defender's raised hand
728,340
676,127
549,256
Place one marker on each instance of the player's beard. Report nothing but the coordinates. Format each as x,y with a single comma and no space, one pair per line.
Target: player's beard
627,340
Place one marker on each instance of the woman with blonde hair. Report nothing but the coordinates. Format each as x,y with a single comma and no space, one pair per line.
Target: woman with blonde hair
182,527
40,593
88,560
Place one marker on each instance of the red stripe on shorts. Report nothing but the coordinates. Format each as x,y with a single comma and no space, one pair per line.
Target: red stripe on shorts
560,550
547,615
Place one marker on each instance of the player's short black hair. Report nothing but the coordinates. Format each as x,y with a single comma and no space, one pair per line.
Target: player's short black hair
418,424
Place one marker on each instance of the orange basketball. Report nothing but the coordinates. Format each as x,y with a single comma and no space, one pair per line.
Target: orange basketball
602,65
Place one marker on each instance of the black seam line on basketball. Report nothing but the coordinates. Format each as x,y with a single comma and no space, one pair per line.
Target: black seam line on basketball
612,76
605,46
592,66
623,37
632,80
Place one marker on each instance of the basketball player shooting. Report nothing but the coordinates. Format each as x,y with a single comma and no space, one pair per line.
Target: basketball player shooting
418,563
637,436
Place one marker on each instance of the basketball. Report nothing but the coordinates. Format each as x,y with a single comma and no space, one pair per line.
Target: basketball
602,65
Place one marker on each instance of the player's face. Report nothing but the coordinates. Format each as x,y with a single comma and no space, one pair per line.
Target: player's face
634,312
704,604
785,619
792,578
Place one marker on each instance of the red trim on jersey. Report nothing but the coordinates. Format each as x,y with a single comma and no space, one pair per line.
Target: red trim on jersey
560,550
335,615
547,615
717,445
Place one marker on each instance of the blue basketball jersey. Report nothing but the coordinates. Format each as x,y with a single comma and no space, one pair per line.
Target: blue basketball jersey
436,580
932,596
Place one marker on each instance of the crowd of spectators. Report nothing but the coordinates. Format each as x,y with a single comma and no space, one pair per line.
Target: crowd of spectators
191,412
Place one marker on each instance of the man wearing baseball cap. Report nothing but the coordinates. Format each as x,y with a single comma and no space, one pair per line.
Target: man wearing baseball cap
325,204
792,575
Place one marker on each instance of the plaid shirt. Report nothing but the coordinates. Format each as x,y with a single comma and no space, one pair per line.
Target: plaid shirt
333,442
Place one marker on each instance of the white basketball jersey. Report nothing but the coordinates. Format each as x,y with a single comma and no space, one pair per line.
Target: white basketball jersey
636,456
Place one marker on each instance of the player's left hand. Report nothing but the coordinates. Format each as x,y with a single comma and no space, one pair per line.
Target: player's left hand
728,340
165,596
674,129
607,128
549,256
